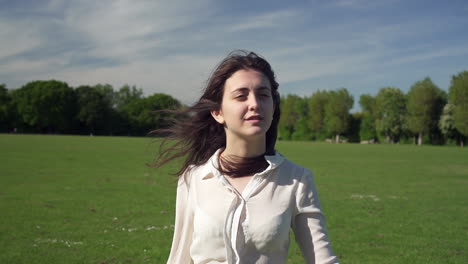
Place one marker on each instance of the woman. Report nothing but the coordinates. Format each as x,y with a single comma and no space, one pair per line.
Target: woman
237,198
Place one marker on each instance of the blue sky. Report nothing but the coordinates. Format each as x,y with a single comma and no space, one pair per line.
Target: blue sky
172,46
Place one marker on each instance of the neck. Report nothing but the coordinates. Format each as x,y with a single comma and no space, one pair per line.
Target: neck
245,148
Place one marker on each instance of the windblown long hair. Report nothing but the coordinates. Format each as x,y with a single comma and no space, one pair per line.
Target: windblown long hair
196,134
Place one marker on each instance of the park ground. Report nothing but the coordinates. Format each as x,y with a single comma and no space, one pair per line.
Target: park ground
77,199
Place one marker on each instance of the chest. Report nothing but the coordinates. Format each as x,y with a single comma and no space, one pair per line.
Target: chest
262,219
239,183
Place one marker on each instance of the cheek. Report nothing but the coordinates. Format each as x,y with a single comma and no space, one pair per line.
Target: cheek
270,107
232,110
272,112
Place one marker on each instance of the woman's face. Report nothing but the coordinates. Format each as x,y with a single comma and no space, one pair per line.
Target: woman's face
247,107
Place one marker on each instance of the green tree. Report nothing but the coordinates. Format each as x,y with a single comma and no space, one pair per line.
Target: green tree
125,95
458,95
390,109
367,130
48,106
317,103
424,106
301,129
122,98
355,123
107,92
337,115
145,114
446,122
367,103
5,109
289,116
94,108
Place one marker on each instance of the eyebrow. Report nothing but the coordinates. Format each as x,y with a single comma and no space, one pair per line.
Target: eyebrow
261,88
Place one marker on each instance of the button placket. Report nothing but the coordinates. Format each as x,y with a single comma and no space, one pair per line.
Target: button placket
232,220
234,216
228,225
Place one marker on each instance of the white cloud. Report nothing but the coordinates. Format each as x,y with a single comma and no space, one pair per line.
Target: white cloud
17,37
176,75
124,28
425,55
348,3
274,19
361,4
172,47
30,66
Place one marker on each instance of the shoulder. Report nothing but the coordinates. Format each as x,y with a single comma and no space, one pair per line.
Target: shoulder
293,170
195,173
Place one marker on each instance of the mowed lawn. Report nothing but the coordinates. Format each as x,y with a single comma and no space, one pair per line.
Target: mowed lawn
72,199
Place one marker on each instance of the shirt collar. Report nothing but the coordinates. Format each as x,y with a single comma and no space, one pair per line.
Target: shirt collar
210,170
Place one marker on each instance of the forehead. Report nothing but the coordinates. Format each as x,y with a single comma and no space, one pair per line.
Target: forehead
251,79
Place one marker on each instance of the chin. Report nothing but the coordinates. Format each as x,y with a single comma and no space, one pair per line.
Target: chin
256,132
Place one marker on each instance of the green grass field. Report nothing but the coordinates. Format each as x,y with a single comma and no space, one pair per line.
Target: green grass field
70,199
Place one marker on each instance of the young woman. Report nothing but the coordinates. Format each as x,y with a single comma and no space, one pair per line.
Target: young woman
237,198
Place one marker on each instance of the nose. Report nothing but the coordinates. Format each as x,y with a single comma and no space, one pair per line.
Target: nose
253,102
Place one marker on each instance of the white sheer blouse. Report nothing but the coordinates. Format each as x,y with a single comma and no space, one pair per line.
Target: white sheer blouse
216,224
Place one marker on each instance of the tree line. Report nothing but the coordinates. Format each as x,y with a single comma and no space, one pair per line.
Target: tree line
425,114
55,107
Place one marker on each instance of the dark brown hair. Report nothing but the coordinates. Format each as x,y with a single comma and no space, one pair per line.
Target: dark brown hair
195,132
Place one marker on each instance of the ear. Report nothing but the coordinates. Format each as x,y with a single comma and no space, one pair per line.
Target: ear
218,116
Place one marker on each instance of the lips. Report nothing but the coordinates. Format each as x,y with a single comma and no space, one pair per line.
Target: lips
254,117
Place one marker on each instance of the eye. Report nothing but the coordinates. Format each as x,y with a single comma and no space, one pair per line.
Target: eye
264,95
240,97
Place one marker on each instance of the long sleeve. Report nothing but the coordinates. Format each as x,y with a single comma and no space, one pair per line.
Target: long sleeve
309,224
183,228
